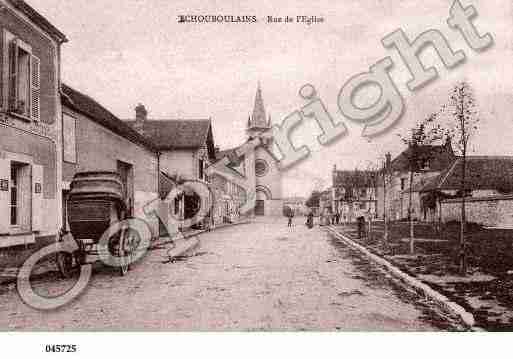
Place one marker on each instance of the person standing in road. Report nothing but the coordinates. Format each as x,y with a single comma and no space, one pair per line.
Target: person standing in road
291,216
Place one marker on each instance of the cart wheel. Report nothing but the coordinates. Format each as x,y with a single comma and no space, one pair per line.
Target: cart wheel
125,251
65,264
123,268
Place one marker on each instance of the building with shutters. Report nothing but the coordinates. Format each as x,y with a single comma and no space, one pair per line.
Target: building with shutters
30,126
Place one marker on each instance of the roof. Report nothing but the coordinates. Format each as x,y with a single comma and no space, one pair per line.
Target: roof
171,134
439,157
232,155
354,178
89,107
38,19
482,173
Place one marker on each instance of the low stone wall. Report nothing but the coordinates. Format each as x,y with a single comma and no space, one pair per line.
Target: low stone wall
489,211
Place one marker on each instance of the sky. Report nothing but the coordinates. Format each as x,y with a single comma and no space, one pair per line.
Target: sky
125,52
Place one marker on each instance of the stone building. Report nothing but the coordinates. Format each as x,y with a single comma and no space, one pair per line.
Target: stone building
269,192
434,160
354,193
488,192
258,167
96,140
30,126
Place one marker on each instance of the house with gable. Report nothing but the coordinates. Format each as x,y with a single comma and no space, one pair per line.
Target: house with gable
186,148
434,160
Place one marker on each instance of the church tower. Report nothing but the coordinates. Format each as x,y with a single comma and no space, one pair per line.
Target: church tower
265,169
258,122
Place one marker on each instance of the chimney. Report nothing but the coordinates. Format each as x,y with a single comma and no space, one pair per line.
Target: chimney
140,113
388,161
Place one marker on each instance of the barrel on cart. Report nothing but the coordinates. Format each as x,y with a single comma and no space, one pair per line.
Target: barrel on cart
96,202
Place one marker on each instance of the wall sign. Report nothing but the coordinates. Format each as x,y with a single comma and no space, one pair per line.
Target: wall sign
37,188
4,185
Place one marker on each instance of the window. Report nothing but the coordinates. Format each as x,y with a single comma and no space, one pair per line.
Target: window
24,79
69,139
14,195
403,183
201,169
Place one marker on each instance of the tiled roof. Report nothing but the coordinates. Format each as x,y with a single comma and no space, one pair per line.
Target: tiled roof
438,156
354,179
177,134
89,107
482,173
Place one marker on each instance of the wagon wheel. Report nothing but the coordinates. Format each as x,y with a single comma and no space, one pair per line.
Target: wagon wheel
126,249
121,253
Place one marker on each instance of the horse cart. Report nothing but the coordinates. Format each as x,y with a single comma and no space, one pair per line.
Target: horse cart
95,204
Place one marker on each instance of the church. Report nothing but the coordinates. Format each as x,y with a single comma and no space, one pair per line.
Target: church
268,180
259,167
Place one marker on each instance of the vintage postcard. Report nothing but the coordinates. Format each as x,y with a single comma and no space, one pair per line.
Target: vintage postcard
244,166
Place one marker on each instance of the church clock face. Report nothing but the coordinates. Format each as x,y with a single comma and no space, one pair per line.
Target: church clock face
261,168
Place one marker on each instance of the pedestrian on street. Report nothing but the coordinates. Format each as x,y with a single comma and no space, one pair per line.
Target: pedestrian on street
310,220
290,215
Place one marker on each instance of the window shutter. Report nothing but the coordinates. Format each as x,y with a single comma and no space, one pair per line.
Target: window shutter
37,198
13,75
5,209
35,89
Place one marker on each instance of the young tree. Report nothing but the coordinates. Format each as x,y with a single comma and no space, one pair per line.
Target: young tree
465,124
423,134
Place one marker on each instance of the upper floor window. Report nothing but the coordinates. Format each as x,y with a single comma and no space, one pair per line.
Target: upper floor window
24,78
69,139
403,183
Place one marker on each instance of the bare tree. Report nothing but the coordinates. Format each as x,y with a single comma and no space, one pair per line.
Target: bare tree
465,124
385,177
423,134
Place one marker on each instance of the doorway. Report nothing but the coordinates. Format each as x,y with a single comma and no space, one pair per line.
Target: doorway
260,207
126,171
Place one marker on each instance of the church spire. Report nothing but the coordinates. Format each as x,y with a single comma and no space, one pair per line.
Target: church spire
258,120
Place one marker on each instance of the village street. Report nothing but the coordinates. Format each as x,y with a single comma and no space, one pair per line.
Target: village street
258,276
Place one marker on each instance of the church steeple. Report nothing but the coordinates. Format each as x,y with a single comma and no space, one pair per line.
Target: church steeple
258,120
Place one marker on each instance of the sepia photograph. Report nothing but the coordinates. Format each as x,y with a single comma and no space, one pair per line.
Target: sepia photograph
243,166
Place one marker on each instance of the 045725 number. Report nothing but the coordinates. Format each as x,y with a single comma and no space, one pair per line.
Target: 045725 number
64,348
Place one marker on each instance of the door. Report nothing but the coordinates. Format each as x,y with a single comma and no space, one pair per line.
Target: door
126,171
260,207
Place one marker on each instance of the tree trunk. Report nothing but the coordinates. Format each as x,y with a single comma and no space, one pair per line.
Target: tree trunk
410,215
463,249
385,217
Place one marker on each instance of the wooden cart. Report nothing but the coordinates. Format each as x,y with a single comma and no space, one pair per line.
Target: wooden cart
95,203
